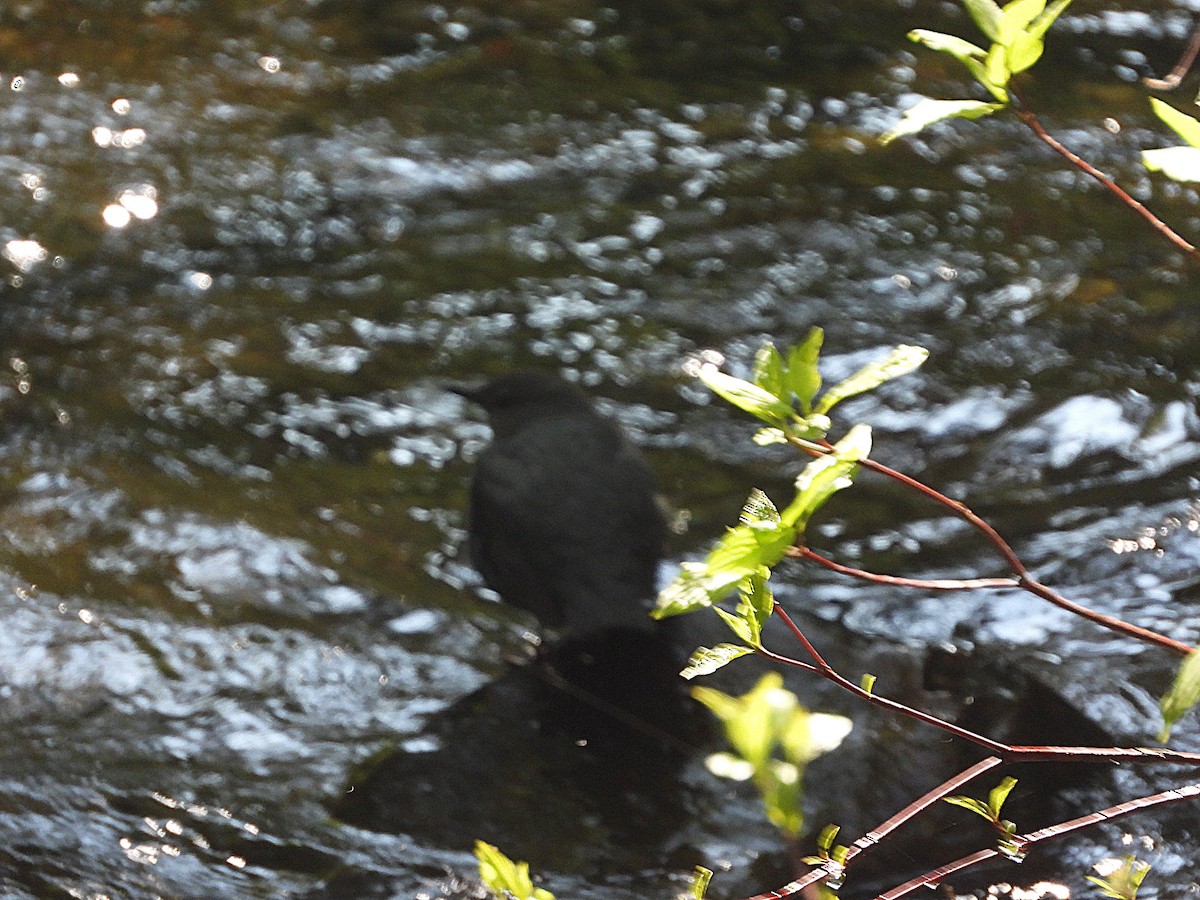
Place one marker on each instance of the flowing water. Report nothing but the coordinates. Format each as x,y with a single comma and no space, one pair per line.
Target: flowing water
249,244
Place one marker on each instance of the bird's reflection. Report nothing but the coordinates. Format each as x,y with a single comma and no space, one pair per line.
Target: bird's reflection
574,761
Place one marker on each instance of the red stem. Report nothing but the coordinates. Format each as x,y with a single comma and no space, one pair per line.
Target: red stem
1009,753
1023,578
1026,116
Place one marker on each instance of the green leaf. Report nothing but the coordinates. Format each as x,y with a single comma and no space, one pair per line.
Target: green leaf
768,371
759,600
759,508
740,626
706,660
1124,882
986,15
803,379
1026,50
693,588
764,437
699,884
976,806
826,475
983,72
827,836
781,790
1015,17
946,43
900,361
505,878
746,396
720,704
1179,163
1043,22
927,111
1181,123
755,606
999,794
995,70
813,734
1183,695
867,682
745,549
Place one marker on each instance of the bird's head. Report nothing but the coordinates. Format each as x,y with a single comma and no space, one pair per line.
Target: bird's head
516,398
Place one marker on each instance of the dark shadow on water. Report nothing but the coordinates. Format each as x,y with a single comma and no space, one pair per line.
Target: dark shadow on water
572,762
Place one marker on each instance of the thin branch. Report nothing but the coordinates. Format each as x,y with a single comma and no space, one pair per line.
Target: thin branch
1024,842
1009,753
1181,68
1023,578
940,584
1026,116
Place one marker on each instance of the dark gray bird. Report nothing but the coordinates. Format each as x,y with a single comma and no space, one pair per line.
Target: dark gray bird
563,519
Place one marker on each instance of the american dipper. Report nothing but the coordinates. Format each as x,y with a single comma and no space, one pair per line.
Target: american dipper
563,518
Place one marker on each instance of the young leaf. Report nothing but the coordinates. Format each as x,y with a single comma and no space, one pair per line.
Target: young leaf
1120,880
505,878
803,378
1183,695
699,884
745,549
827,836
1026,49
746,396
759,508
760,602
1178,163
867,682
1182,124
1015,17
693,588
813,735
741,625
995,71
764,437
998,794
706,660
976,806
1043,22
902,360
927,111
825,476
946,43
987,16
768,370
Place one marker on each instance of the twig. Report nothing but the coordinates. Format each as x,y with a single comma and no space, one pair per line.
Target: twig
1026,116
1008,752
1024,842
1023,578
940,584
1181,68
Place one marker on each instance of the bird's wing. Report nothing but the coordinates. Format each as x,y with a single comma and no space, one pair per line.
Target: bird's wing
564,524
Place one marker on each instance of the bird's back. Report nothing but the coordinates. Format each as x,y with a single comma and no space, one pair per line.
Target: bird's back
564,523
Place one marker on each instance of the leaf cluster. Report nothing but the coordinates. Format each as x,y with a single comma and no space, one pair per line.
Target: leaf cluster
991,811
1017,32
1123,881
784,392
506,879
772,738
